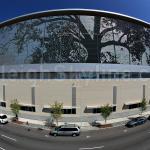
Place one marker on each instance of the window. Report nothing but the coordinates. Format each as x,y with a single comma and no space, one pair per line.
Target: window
27,108
61,75
69,111
132,106
61,129
3,117
22,75
65,111
145,75
97,110
87,75
114,108
73,75
135,75
46,75
71,129
34,75
3,104
119,75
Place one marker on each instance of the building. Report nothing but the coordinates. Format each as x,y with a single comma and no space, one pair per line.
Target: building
82,58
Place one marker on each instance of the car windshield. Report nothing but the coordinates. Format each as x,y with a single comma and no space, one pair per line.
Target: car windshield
57,128
134,119
3,117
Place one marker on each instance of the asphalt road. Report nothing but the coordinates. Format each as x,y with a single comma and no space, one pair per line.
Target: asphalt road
14,137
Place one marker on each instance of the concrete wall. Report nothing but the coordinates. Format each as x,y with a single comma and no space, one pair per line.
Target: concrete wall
88,92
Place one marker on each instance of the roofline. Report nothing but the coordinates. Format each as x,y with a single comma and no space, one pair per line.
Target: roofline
89,12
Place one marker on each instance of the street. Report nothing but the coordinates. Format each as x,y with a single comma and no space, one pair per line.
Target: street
15,137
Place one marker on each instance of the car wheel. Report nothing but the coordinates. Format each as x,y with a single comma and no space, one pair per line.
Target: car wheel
74,135
54,134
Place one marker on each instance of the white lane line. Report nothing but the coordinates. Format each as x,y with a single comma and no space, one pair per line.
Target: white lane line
9,138
2,148
88,148
88,136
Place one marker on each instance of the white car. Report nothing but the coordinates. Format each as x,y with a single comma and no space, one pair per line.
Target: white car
3,119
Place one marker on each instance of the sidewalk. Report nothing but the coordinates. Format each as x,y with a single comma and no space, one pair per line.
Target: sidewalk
84,125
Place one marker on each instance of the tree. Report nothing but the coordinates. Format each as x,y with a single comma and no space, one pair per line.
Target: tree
56,111
15,108
143,105
106,111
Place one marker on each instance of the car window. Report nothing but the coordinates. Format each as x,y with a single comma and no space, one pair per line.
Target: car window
61,129
72,129
75,129
3,117
68,129
57,128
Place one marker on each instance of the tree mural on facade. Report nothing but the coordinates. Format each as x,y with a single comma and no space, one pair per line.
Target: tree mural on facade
147,43
67,39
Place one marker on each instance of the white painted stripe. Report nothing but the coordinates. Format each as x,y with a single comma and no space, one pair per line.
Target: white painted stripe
88,136
2,148
100,147
9,138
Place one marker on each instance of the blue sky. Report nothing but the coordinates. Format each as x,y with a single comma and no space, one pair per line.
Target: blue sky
136,8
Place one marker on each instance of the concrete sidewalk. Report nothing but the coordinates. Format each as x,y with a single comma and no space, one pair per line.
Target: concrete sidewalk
84,125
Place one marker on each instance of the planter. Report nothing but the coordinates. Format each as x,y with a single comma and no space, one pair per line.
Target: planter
105,126
14,120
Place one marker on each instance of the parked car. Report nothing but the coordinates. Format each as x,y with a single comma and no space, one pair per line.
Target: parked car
148,117
136,121
3,119
96,123
65,130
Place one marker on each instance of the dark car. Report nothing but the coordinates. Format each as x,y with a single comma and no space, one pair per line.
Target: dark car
148,117
136,121
96,123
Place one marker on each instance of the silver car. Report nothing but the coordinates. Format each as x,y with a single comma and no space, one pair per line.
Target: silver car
65,130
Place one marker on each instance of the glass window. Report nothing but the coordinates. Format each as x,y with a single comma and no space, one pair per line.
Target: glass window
46,75
135,75
69,111
145,75
62,129
3,104
61,75
27,108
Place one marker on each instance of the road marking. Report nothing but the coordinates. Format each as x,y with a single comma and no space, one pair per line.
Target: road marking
2,148
125,130
88,136
46,135
9,138
88,148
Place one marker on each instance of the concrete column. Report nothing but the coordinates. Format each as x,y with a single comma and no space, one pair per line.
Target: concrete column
74,103
33,95
4,93
144,92
115,96
73,96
